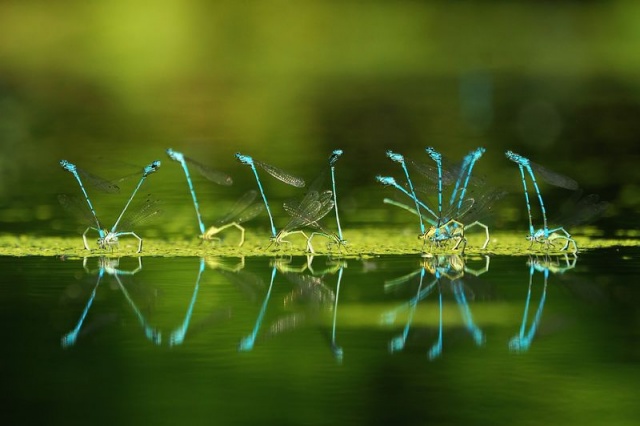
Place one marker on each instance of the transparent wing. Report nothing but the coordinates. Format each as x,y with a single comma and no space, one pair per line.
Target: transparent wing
79,208
281,175
98,182
310,210
141,213
211,174
554,178
240,206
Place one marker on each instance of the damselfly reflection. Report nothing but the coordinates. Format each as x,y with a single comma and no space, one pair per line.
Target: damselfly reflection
247,342
546,264
447,272
110,267
178,335
309,299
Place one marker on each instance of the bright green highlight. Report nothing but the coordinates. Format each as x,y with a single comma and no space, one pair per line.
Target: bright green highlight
366,242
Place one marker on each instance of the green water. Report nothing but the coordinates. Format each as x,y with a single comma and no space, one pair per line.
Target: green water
315,360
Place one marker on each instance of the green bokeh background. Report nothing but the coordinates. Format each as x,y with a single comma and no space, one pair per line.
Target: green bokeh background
107,82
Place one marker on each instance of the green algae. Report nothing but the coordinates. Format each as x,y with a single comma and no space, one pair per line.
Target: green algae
362,243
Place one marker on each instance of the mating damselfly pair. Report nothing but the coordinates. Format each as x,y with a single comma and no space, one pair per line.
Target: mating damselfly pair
305,214
446,226
459,202
470,199
108,238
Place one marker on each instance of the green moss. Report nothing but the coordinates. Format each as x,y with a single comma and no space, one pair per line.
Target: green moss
367,242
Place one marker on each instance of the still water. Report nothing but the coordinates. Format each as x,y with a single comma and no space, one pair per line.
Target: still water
402,340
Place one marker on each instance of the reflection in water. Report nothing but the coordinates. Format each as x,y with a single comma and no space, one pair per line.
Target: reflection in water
448,271
216,263
247,282
310,298
177,336
337,350
110,266
297,366
310,290
543,264
247,342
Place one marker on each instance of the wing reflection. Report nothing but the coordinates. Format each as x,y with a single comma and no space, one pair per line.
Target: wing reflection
309,298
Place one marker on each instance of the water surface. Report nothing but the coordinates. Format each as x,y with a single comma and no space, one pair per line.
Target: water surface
159,345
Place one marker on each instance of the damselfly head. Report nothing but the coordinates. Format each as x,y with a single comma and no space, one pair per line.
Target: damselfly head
244,159
398,158
334,157
174,155
435,155
67,165
516,158
151,168
386,180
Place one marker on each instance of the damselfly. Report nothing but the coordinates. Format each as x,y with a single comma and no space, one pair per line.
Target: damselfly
213,175
307,214
446,224
243,210
110,237
279,174
545,235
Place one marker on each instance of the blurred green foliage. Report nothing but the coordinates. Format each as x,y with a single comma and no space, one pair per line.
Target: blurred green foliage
288,82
